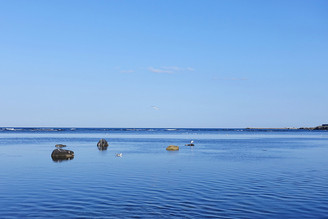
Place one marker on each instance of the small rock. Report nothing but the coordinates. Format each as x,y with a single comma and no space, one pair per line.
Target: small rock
60,145
102,145
189,145
172,148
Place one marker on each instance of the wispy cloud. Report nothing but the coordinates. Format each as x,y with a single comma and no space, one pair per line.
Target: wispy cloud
169,69
172,68
155,107
160,70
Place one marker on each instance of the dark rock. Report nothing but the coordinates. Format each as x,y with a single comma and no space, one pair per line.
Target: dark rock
102,144
189,145
172,148
60,145
321,127
62,154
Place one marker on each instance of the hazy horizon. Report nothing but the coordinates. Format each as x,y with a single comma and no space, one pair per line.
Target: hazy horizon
104,127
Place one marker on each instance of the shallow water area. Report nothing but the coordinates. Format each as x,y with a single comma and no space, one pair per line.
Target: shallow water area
227,174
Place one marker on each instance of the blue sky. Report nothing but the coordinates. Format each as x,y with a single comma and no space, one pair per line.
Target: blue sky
165,63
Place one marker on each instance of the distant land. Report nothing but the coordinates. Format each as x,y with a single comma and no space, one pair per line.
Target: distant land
320,127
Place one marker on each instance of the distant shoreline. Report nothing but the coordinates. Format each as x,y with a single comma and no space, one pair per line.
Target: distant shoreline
321,127
274,128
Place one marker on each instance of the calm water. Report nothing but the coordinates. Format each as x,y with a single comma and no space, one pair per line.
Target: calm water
227,174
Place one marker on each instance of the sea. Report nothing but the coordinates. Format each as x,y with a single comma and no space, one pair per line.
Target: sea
228,173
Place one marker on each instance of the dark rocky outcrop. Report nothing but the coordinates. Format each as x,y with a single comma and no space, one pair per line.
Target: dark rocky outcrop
189,145
321,127
60,145
102,144
61,154
172,148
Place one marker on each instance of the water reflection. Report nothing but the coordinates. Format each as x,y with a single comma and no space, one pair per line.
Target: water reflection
102,148
61,159
172,152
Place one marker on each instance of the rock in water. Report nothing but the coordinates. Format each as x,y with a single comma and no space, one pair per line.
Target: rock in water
190,145
62,154
102,144
172,148
60,145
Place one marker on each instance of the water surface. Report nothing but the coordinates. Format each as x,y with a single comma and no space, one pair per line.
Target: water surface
229,173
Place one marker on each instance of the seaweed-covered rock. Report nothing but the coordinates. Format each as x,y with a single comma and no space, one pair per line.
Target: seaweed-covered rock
172,148
62,154
60,145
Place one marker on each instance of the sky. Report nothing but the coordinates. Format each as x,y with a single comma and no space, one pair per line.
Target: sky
146,63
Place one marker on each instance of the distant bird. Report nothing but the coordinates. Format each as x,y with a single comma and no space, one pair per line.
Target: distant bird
119,155
191,142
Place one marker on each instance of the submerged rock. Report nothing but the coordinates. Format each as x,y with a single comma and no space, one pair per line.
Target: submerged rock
172,148
61,154
102,144
60,145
